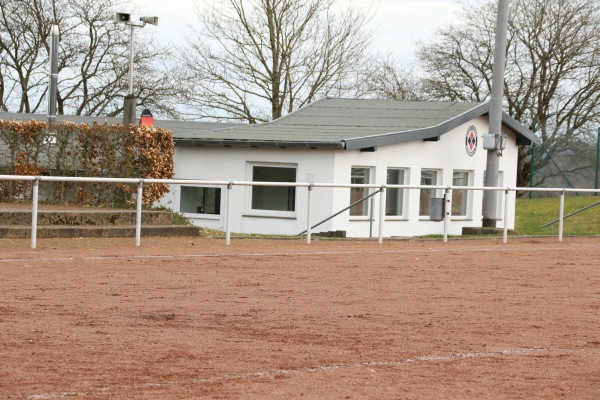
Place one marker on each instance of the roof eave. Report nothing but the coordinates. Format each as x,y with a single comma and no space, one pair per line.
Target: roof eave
417,134
258,143
524,135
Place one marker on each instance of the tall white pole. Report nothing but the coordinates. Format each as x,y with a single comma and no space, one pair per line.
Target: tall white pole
493,155
130,58
130,100
52,91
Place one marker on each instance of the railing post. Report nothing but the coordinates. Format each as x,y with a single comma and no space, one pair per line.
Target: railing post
505,233
34,211
138,214
228,215
447,211
371,216
308,231
382,200
561,216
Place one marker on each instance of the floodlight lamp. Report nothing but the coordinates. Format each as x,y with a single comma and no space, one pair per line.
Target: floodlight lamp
122,17
149,20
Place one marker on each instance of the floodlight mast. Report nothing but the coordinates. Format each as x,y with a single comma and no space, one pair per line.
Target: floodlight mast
53,88
130,99
495,117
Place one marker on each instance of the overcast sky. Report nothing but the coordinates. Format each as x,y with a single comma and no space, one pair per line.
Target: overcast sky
397,23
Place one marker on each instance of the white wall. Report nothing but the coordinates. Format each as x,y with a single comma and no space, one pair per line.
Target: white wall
334,166
232,164
447,154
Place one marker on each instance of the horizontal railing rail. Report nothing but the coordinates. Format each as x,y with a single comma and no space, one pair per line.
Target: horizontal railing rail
310,186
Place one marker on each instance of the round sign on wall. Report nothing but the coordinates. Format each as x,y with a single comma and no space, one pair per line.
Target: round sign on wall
471,140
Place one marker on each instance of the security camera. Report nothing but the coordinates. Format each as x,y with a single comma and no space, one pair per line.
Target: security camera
149,20
122,17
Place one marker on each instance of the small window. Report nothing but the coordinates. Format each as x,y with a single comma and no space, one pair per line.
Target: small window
394,203
360,176
428,177
274,198
200,200
460,197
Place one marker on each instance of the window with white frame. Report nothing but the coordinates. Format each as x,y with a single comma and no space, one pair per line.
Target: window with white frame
361,176
200,200
460,197
428,177
273,198
394,198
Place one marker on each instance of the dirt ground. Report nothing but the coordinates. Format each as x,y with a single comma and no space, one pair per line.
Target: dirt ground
189,318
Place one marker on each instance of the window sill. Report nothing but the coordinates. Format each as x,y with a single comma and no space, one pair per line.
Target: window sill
268,216
201,216
360,219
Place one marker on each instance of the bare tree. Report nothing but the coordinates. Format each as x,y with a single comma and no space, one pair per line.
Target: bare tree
386,80
93,59
255,60
553,67
22,37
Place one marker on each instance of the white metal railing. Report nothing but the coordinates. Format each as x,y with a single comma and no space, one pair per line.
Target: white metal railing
310,186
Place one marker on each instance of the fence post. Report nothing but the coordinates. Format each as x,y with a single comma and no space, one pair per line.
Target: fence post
505,233
447,211
34,211
308,232
597,160
138,214
228,215
561,216
371,216
382,200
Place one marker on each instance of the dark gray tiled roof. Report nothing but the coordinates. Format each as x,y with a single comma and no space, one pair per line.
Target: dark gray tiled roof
352,124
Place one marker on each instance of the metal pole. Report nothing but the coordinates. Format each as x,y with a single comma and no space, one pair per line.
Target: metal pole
371,216
228,215
561,214
130,58
495,127
597,156
382,201
53,77
130,100
446,213
34,212
138,214
505,233
310,189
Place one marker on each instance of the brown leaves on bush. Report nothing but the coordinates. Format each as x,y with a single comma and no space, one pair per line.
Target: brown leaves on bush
98,150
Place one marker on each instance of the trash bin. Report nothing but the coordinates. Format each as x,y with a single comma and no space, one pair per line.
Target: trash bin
436,209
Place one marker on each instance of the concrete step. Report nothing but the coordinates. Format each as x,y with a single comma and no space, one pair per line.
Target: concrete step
112,231
85,217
